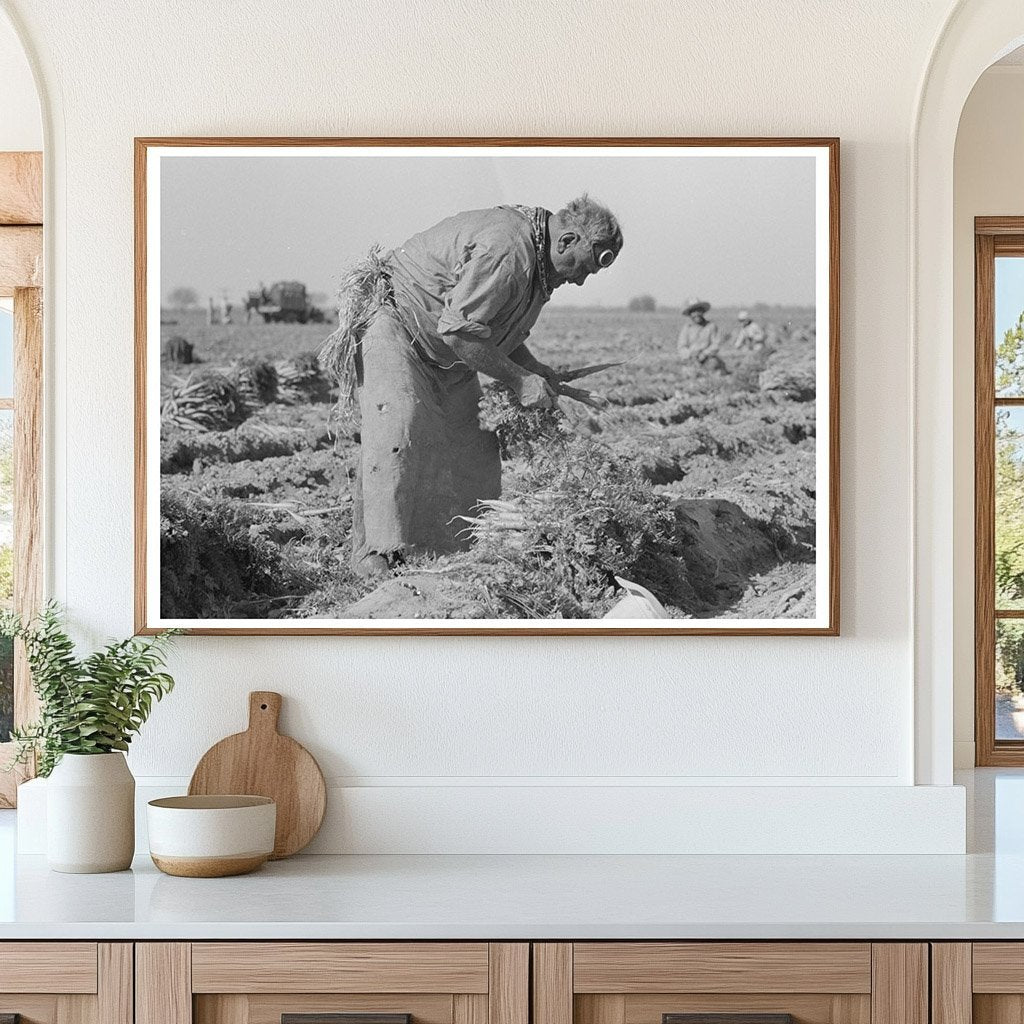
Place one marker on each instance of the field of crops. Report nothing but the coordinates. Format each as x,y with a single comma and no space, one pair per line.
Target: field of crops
697,483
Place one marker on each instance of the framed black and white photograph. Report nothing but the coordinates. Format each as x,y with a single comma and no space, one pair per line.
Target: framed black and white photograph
505,386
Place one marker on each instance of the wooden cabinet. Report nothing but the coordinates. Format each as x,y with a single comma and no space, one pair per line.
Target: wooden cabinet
754,982
494,983
978,983
66,982
306,982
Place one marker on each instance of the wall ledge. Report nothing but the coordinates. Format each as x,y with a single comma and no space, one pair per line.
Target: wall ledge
681,819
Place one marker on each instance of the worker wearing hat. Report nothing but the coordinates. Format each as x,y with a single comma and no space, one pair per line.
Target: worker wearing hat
699,338
750,335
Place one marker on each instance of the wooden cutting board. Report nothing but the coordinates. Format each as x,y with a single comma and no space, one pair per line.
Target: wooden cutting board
262,762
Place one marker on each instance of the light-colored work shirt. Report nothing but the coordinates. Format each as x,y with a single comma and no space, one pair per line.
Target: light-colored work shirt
699,339
474,275
751,336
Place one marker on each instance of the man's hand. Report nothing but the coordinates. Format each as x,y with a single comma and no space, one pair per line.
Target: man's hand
535,392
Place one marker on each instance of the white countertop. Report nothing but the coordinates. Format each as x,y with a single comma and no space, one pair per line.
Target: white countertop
977,896
496,897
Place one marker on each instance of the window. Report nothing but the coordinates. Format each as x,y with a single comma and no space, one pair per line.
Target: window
20,501
999,490
21,364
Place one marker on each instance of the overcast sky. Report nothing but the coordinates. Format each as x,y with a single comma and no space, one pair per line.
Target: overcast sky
6,354
1009,294
735,230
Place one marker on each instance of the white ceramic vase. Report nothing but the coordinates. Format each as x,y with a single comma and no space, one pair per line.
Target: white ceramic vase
90,814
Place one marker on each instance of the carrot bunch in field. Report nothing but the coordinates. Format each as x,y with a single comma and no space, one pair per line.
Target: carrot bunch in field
579,516
205,400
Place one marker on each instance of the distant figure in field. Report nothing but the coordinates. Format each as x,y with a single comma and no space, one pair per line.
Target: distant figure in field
750,335
211,316
179,350
254,300
699,338
225,311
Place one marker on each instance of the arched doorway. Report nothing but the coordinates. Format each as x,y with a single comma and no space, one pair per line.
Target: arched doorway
975,35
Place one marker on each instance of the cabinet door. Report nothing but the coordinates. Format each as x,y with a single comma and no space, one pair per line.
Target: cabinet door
66,983
332,983
730,983
980,982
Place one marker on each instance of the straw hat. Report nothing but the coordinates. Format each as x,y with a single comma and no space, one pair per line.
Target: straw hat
743,315
696,306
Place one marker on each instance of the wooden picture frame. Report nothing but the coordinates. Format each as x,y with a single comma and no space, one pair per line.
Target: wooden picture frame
152,153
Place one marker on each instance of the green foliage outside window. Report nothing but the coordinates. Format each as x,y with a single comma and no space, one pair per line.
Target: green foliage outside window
1010,362
1009,656
1009,510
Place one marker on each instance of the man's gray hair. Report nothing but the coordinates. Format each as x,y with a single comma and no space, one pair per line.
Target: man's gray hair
592,220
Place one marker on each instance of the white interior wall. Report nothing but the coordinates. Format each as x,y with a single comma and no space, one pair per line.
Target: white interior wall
433,715
987,182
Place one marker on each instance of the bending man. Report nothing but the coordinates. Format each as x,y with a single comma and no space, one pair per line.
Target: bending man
454,301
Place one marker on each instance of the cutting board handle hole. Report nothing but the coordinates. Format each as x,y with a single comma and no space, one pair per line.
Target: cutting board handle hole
263,707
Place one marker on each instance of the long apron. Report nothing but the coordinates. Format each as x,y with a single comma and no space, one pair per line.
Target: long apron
423,459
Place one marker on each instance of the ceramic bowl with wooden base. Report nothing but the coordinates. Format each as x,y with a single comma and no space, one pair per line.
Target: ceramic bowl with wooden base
211,836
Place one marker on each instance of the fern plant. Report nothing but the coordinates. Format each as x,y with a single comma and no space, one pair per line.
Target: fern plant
90,705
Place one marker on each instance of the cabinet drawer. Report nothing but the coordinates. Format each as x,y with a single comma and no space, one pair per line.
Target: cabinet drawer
730,983
340,967
65,967
998,967
634,967
332,983
66,982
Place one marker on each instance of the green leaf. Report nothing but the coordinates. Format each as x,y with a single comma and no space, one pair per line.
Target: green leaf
89,705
